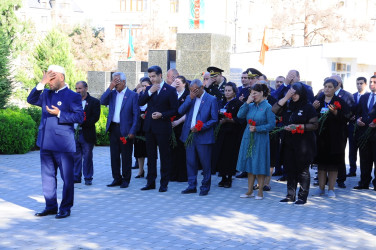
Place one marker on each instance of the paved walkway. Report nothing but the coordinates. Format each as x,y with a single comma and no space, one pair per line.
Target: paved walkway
114,218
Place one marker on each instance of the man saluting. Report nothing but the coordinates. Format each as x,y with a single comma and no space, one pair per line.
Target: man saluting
61,108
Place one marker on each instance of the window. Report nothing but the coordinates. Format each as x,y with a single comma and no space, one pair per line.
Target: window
174,6
122,30
341,69
131,5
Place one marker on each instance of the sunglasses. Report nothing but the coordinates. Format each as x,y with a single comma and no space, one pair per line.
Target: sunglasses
245,77
279,81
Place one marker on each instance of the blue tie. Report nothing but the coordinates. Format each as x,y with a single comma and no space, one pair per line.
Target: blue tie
370,105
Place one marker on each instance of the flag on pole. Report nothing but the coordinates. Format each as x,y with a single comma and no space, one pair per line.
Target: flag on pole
264,48
130,52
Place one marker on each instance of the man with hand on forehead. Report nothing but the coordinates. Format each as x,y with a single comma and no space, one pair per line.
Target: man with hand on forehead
216,83
61,108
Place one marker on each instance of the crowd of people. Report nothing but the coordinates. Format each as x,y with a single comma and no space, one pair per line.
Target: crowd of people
210,125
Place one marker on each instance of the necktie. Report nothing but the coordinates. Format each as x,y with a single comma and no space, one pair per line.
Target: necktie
371,102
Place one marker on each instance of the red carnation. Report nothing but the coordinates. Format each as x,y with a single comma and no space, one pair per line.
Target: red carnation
228,115
337,105
172,118
374,121
84,116
253,123
293,131
123,140
199,125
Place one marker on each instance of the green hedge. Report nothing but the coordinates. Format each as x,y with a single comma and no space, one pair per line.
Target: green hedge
100,127
17,132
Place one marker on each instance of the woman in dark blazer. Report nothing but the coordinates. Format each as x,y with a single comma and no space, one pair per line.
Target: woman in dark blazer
298,140
179,167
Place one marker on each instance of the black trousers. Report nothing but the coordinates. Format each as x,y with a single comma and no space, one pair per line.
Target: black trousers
117,149
367,161
301,176
153,142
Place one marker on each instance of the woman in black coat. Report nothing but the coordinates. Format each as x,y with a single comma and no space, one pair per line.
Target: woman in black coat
331,136
298,140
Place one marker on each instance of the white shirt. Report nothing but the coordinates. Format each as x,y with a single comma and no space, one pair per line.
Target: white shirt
337,92
119,101
180,94
159,90
195,109
83,107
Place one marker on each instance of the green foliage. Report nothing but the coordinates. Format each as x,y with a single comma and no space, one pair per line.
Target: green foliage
17,132
9,25
55,49
100,127
5,83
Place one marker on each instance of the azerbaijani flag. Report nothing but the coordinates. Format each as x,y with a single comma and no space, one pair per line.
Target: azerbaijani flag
130,52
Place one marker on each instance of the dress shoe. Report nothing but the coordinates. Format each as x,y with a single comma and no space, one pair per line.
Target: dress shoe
134,167
341,185
242,175
189,191
114,184
124,184
287,200
361,187
227,184
283,178
46,212
148,187
88,182
140,175
351,175
62,214
316,183
77,181
300,202
162,189
221,183
203,193
266,188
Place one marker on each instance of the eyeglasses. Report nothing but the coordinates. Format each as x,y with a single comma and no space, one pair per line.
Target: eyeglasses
245,77
279,81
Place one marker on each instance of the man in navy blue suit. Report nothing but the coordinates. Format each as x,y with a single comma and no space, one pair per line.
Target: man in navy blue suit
86,135
293,76
162,103
61,108
200,106
366,113
122,122
361,84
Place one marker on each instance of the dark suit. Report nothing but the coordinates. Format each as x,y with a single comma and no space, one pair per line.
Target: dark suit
201,148
368,152
282,90
158,131
85,140
56,142
129,113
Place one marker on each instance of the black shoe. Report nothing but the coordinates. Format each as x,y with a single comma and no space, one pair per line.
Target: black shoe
62,214
125,184
46,212
189,191
114,183
227,184
300,202
361,187
203,193
77,181
148,187
162,189
277,174
283,178
266,188
341,185
316,183
134,167
242,175
88,182
222,182
140,175
316,178
287,200
351,175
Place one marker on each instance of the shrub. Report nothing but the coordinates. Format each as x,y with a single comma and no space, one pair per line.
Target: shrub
36,114
100,127
17,132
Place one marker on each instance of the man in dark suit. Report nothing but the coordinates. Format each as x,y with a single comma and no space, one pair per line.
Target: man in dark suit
203,107
366,113
122,122
61,108
86,135
293,76
162,103
361,84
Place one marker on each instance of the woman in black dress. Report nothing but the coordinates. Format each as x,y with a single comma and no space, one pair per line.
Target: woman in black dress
179,167
139,145
331,137
229,136
298,140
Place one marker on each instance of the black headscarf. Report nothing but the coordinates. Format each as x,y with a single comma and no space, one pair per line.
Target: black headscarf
303,100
